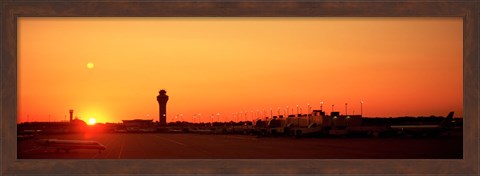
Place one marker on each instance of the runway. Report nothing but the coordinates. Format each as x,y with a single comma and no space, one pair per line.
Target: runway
209,146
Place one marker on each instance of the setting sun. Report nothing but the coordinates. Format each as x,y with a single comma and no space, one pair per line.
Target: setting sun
92,121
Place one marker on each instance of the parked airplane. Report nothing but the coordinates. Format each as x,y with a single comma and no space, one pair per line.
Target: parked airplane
425,129
68,145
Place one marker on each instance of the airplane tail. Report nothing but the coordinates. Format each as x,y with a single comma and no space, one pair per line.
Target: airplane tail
448,120
450,115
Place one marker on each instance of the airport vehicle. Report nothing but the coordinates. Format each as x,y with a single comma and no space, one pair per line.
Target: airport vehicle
68,145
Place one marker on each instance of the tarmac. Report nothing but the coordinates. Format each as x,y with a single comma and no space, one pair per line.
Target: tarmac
214,146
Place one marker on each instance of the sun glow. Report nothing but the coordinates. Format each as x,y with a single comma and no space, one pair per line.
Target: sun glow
92,121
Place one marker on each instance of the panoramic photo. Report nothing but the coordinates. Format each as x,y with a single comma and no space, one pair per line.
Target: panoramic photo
240,88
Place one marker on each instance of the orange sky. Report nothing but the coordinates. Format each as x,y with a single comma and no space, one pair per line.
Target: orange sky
397,66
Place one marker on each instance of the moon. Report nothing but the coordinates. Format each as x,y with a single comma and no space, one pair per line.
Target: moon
90,65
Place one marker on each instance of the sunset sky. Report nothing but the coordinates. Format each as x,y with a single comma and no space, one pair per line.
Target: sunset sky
397,66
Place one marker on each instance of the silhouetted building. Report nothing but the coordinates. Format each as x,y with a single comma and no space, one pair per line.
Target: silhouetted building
334,113
162,99
318,113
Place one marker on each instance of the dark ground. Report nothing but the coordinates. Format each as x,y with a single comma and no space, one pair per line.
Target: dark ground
198,146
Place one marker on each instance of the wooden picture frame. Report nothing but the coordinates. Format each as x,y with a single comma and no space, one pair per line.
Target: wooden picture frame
11,10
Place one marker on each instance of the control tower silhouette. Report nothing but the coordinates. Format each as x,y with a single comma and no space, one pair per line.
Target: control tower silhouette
71,115
162,99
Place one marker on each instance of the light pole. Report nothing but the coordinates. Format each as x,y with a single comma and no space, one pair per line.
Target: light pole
321,106
271,113
211,120
346,110
218,116
264,114
333,105
308,113
361,108
287,112
252,115
308,110
297,110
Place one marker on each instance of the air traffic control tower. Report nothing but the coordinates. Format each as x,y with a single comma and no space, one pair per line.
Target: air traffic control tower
162,99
